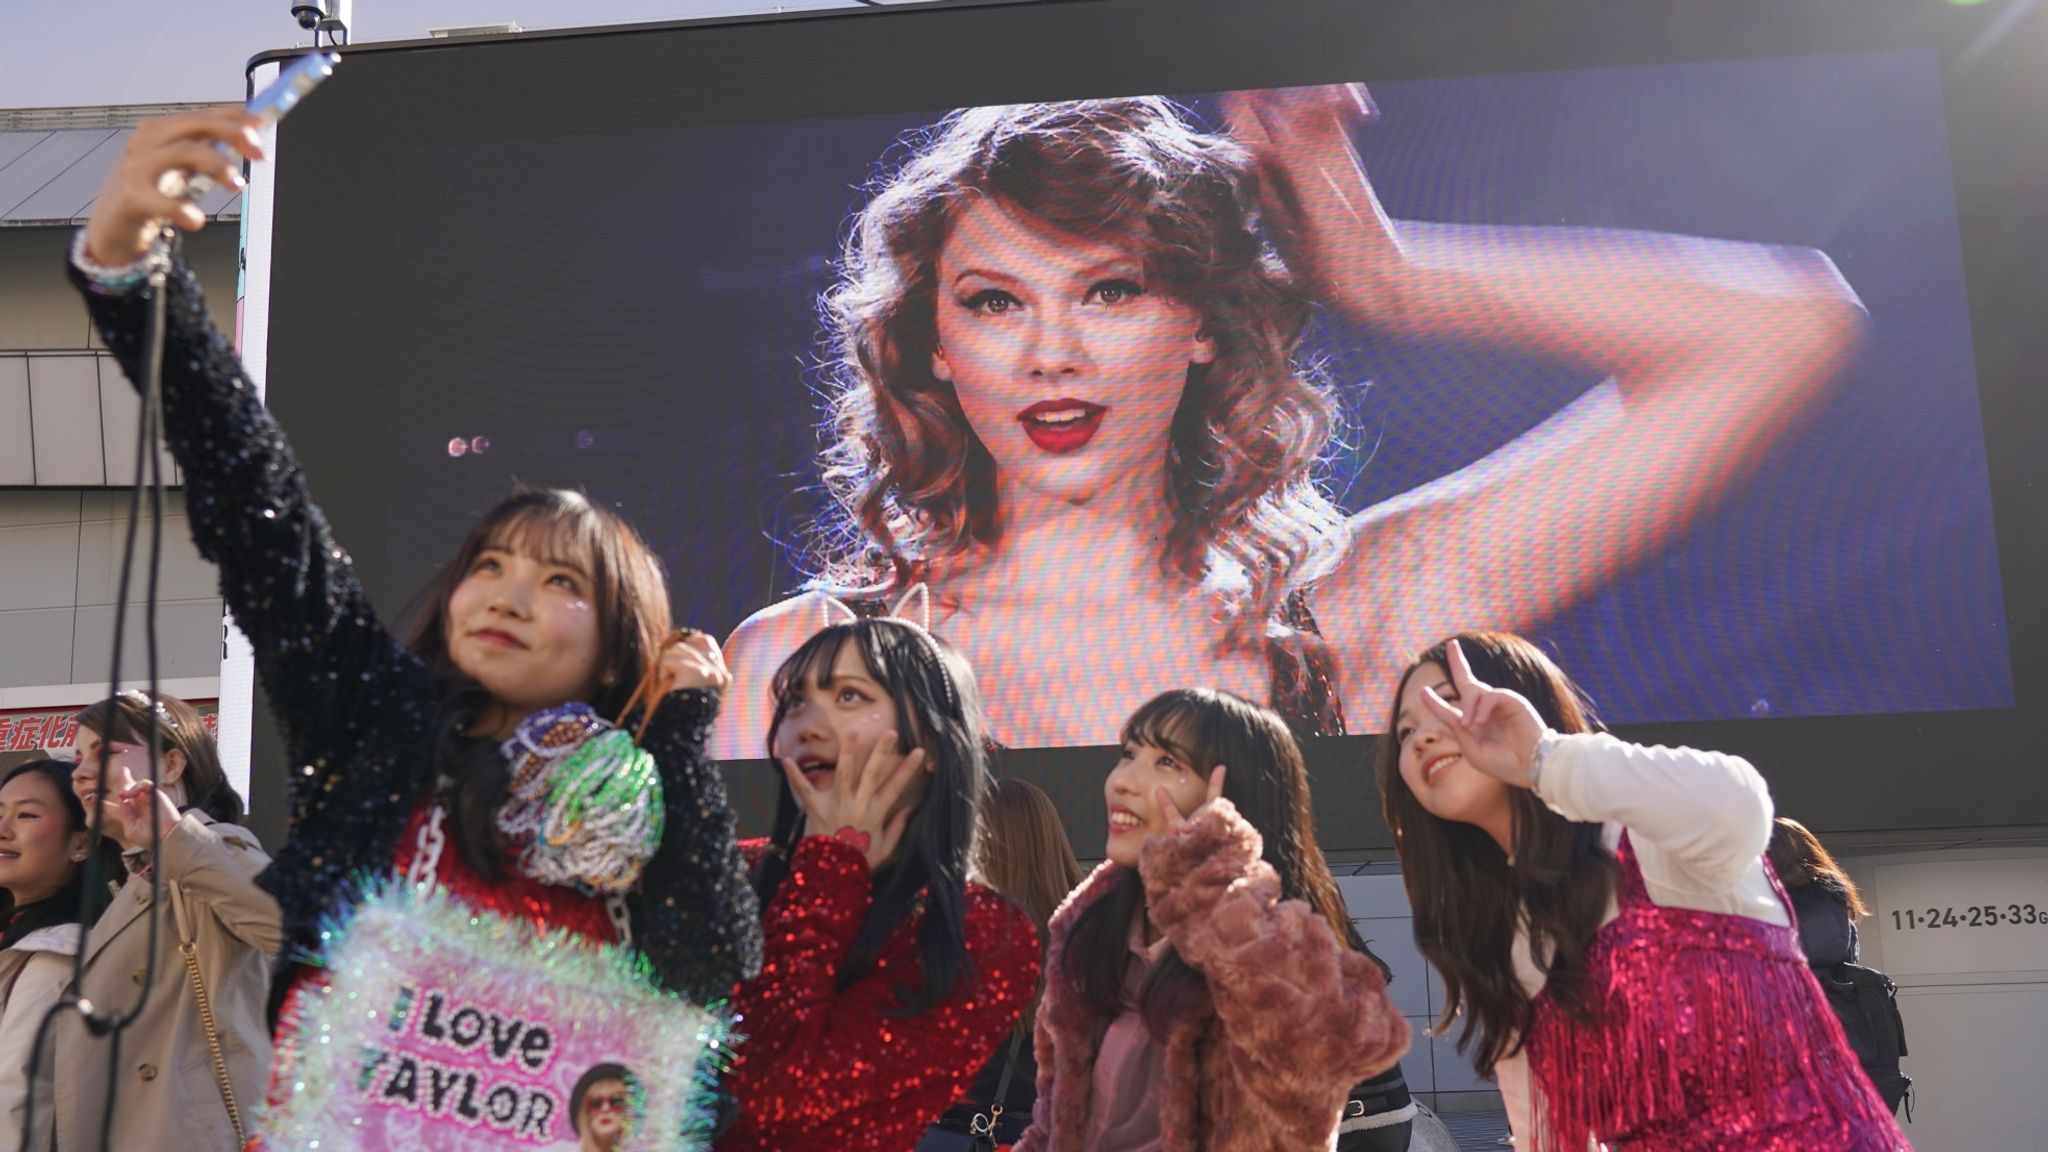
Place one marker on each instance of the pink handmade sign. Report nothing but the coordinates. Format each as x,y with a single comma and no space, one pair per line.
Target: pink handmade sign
443,1027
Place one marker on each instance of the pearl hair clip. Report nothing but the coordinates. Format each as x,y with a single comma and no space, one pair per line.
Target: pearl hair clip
144,700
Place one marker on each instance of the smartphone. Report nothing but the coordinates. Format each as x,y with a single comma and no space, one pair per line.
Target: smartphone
270,105
292,84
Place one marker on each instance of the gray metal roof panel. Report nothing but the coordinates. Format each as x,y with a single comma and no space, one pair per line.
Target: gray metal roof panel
51,177
68,192
219,204
216,202
13,144
44,162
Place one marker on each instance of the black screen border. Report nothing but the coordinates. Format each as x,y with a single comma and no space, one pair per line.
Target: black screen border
330,334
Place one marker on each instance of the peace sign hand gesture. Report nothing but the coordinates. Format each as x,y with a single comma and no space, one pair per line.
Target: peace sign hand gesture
1496,728
1176,820
863,805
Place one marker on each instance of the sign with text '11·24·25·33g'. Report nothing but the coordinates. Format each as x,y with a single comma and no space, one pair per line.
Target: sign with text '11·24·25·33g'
1964,916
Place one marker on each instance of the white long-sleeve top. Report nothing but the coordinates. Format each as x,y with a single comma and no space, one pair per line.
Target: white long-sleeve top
33,974
1698,822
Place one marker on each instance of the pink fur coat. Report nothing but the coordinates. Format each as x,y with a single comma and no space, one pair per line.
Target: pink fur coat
1295,1017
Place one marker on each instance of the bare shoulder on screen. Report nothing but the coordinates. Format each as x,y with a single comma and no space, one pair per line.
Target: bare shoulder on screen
753,652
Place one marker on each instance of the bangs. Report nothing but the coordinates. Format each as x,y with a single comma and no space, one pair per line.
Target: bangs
812,664
816,660
1173,723
1132,174
1108,209
565,530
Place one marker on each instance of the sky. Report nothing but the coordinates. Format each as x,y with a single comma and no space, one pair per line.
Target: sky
58,53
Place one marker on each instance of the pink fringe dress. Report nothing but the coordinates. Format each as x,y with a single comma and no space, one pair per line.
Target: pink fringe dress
1708,1034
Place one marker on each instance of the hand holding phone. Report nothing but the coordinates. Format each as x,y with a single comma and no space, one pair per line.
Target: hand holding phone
159,176
267,107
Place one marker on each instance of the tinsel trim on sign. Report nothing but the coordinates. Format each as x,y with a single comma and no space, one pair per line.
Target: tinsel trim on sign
405,963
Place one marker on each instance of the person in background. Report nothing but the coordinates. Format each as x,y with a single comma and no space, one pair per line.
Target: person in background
193,1063
45,846
1024,854
1824,899
1827,906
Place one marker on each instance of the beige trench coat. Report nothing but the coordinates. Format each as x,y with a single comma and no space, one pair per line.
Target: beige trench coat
168,1095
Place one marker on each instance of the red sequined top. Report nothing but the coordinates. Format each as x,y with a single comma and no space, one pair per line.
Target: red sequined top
1708,1034
515,896
823,1069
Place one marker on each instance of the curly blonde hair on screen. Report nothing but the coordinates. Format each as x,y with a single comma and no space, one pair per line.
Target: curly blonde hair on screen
913,486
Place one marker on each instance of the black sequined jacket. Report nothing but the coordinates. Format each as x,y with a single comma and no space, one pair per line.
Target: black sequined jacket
355,706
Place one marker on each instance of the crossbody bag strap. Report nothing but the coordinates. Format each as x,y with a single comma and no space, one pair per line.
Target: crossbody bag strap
983,1126
207,1023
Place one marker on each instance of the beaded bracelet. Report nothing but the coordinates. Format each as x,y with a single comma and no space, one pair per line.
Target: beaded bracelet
110,281
1537,758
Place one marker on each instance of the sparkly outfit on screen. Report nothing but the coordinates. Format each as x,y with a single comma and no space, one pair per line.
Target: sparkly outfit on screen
1708,1032
825,1068
357,707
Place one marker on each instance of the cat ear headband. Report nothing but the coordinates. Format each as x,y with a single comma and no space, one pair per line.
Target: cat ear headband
917,598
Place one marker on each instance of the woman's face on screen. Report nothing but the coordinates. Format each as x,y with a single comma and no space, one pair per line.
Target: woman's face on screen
1067,367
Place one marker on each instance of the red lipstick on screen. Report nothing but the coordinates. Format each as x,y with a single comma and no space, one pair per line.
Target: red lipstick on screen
1062,426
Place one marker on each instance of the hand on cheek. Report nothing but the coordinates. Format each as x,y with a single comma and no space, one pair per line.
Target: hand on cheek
863,805
1176,819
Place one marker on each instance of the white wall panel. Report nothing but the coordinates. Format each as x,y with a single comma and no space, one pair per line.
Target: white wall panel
35,647
17,446
120,420
64,403
188,641
38,566
184,576
1416,1066
25,507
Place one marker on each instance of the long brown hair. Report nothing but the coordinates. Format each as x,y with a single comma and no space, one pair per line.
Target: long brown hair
127,718
1802,861
914,484
1024,854
1268,783
1467,896
630,594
